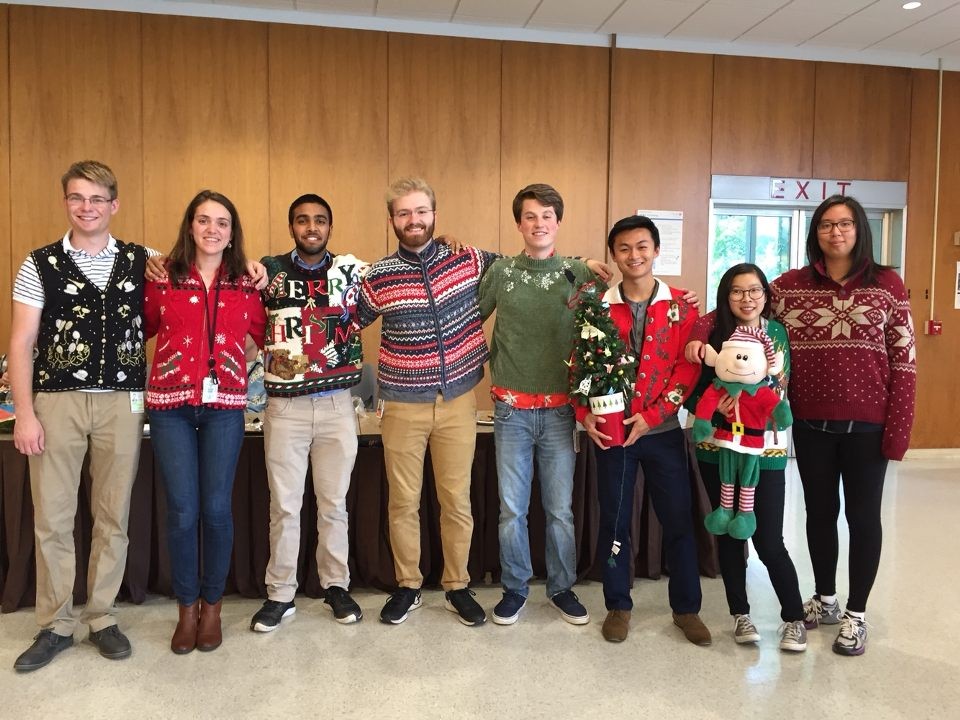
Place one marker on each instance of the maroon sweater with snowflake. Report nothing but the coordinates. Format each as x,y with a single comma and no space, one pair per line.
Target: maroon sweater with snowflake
852,350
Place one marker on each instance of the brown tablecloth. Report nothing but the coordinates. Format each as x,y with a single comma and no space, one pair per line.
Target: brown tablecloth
371,563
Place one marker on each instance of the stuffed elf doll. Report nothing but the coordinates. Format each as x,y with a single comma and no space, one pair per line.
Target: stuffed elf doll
742,367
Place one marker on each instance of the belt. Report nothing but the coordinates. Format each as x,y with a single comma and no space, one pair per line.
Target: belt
740,429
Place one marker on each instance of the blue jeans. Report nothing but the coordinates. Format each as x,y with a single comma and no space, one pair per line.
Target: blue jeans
197,448
521,435
663,458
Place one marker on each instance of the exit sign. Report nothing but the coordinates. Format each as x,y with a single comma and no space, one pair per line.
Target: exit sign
809,189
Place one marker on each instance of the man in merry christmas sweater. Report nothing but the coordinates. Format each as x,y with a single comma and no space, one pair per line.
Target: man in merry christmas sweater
313,359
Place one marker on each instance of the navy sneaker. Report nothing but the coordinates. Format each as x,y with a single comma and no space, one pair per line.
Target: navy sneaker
468,610
508,609
399,605
570,607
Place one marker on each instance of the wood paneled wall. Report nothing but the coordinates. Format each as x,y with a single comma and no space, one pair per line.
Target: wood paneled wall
660,145
7,258
265,112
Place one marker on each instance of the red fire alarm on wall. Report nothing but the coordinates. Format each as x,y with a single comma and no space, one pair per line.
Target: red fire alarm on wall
934,327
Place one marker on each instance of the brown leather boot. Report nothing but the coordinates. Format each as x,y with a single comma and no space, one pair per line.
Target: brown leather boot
185,636
209,635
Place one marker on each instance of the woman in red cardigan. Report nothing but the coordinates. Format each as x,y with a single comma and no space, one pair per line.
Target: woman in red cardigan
202,315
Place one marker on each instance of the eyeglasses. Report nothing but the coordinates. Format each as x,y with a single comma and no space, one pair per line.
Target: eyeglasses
420,212
825,226
754,293
97,201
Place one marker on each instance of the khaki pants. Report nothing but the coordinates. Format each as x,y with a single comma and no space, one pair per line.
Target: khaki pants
73,421
451,430
323,431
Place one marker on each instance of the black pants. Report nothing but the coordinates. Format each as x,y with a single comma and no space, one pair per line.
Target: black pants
767,541
823,458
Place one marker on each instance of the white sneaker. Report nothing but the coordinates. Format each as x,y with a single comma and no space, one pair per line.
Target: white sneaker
793,636
852,638
744,631
816,613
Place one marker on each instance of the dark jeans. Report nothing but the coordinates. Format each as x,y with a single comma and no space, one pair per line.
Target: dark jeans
197,449
663,458
767,541
823,458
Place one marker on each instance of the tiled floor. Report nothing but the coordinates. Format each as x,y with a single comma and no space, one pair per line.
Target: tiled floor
433,667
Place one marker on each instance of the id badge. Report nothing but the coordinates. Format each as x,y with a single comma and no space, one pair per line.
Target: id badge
379,409
209,393
136,402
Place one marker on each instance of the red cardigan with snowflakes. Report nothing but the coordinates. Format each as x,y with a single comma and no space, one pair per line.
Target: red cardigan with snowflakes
664,377
852,350
176,315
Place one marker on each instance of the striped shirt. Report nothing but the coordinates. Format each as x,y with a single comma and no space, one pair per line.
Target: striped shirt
27,288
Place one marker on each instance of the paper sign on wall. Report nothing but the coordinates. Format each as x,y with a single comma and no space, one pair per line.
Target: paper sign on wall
670,225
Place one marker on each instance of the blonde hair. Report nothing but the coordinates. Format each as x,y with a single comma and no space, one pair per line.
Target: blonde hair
406,185
93,171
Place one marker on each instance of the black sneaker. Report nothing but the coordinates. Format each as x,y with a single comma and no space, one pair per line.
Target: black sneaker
468,610
112,643
269,616
345,609
508,609
399,605
570,607
45,647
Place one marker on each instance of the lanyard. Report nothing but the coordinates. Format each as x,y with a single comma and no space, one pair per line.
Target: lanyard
212,325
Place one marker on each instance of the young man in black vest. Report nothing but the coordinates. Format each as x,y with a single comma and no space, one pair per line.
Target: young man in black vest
79,302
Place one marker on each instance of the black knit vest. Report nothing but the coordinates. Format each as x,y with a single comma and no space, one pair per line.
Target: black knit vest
90,338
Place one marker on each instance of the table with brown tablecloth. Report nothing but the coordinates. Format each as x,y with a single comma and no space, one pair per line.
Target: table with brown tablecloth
371,563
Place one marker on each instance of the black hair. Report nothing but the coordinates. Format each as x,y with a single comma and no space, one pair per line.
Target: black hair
862,254
726,321
309,198
634,222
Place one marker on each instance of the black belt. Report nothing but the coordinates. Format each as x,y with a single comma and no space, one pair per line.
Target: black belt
741,429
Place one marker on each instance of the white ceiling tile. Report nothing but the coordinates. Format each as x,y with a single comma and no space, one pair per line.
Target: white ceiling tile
721,21
498,12
790,26
441,10
934,32
572,14
345,7
651,18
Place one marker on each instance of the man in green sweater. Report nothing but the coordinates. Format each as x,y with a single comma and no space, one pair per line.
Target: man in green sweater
533,417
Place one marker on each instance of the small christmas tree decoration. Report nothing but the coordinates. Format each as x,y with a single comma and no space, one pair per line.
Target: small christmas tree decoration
605,385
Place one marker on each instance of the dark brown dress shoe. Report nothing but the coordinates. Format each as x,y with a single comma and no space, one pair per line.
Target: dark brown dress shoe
185,636
209,635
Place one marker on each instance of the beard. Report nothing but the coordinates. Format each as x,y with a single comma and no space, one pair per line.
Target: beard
306,250
417,242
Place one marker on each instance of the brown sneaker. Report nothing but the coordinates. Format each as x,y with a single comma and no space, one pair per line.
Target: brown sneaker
616,626
693,628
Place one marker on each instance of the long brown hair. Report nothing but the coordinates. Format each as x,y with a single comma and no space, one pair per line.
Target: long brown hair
184,251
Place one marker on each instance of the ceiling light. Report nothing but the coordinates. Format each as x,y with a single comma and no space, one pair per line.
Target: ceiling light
911,5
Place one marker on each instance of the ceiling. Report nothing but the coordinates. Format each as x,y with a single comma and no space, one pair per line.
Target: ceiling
861,31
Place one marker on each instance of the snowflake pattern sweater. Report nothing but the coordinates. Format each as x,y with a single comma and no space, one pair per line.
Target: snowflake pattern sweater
853,350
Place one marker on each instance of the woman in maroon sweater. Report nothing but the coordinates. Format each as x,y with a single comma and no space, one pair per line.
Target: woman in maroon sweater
852,394
202,316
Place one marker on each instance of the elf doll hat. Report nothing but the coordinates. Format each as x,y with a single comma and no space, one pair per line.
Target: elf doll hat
745,336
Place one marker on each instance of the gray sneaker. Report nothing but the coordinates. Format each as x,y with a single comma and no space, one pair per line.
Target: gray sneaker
817,613
744,631
793,636
852,638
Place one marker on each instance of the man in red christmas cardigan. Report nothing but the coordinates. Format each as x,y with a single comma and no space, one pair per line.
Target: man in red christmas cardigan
654,320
